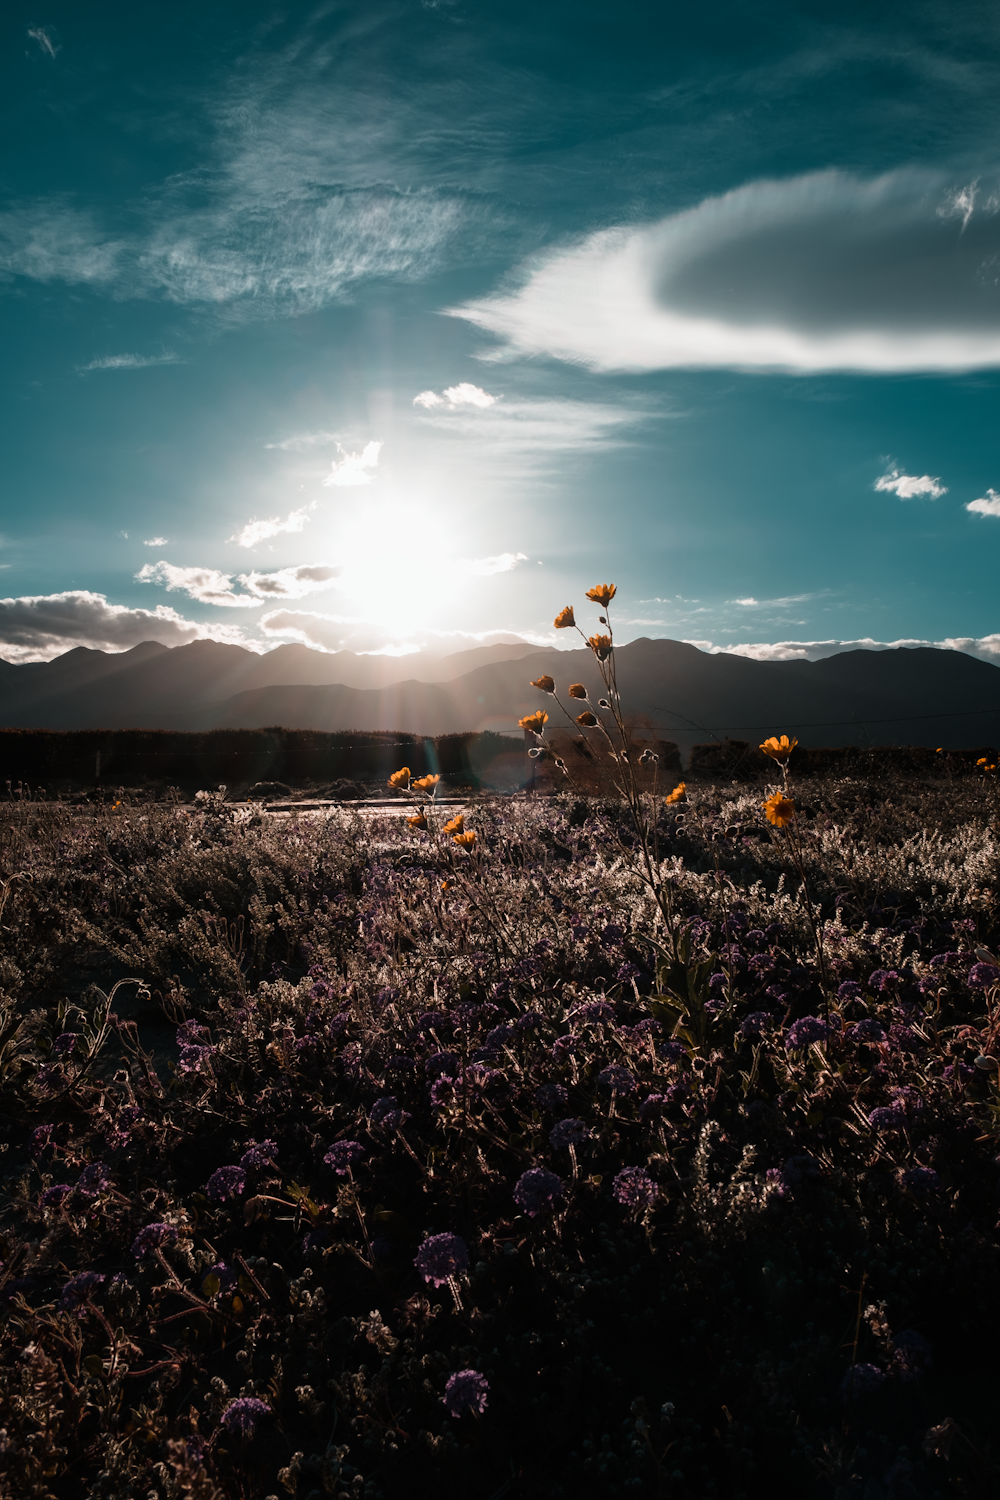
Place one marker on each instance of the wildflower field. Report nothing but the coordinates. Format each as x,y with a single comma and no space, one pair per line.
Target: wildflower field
635,1145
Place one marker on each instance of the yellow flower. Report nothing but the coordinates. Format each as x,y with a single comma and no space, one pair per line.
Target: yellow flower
466,839
534,722
577,690
678,792
779,750
602,594
588,720
455,826
418,821
600,645
780,810
400,778
565,618
446,885
426,783
545,683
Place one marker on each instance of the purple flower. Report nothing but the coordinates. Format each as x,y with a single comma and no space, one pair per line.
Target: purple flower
537,1191
804,1032
921,1180
53,1196
226,1183
849,990
152,1238
672,1051
593,1010
93,1179
652,1107
259,1155
776,1185
242,1415
981,976
190,1032
77,1291
40,1139
342,1155
386,1114
465,1393
868,1030
634,1188
551,1096
619,1080
628,971
223,1275
882,979
442,1092
888,1120
440,1063
755,1024
63,1045
568,1133
441,1257
565,1046
862,1381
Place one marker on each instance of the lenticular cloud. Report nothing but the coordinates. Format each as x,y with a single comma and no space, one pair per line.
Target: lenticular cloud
822,272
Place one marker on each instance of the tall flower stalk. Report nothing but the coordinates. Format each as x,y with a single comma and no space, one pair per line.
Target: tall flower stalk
782,814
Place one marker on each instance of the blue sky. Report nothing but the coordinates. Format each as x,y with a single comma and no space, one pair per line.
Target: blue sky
397,325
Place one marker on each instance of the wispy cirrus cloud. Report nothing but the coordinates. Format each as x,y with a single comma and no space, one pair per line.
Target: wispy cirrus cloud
986,505
128,362
352,469
910,486
211,586
37,627
528,430
821,272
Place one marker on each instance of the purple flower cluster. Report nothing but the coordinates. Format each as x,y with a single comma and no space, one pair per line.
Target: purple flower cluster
93,1179
441,1257
981,976
538,1191
634,1188
153,1237
259,1155
804,1032
386,1114
64,1045
868,1030
862,1381
54,1195
242,1415
342,1156
552,1096
568,1133
78,1290
226,1183
619,1080
465,1393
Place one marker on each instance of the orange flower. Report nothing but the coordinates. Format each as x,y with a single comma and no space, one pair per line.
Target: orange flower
779,750
545,683
565,618
466,839
780,810
534,722
455,826
419,821
400,778
577,690
588,720
600,645
602,594
677,793
426,783
446,885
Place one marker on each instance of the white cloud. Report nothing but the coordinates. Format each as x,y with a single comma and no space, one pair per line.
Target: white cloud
986,647
129,362
352,468
304,440
54,242
909,486
154,541
334,632
210,586
535,431
821,272
43,36
748,602
987,505
457,395
39,627
259,531
503,562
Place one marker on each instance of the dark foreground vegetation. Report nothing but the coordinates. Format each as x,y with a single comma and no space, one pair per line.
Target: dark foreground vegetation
342,1161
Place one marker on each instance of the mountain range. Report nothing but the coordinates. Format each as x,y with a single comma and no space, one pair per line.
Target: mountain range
918,696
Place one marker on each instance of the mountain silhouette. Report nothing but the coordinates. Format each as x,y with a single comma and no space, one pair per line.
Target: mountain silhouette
916,696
